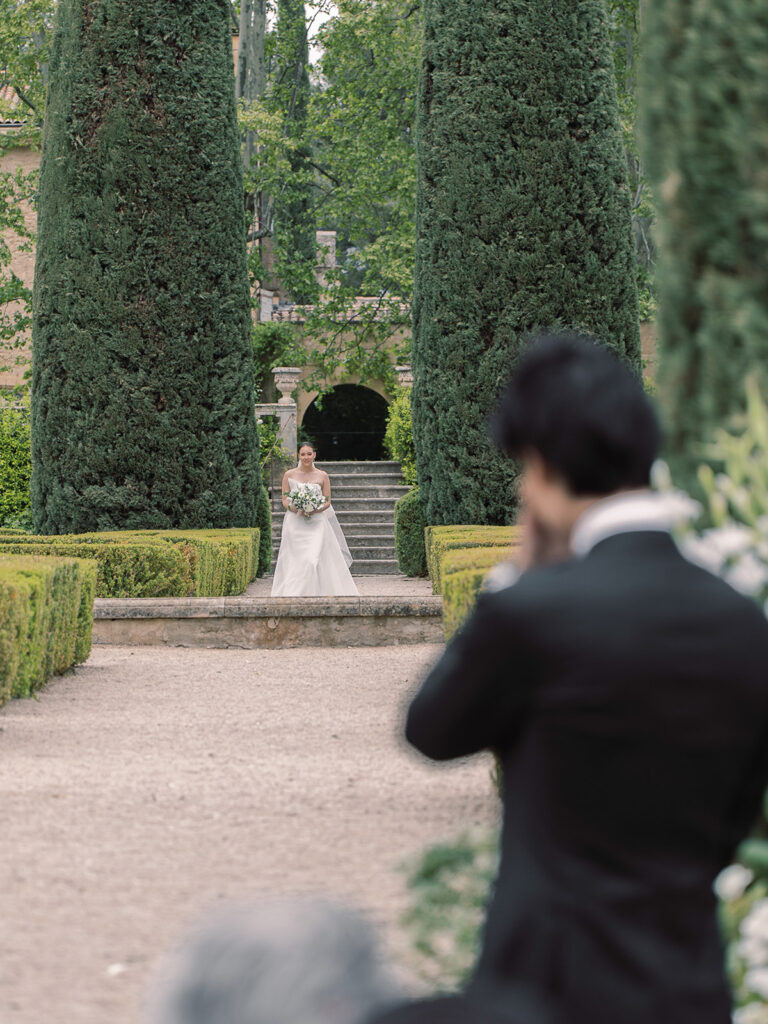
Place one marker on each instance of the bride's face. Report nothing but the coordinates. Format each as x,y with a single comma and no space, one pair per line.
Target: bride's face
306,457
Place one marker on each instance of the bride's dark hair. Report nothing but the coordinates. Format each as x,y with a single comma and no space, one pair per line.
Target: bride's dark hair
307,444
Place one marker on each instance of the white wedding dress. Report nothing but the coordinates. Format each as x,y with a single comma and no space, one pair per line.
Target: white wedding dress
314,558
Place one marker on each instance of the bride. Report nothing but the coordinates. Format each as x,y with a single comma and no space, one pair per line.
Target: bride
314,558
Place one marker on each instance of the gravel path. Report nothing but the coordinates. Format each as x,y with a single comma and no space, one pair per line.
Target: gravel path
153,782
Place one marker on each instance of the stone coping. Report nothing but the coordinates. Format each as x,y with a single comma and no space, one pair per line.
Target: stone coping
259,607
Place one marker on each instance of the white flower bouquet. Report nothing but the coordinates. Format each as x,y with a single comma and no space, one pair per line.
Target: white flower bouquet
306,498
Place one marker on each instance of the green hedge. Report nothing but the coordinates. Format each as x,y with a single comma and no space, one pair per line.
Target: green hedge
463,574
398,438
15,464
409,534
441,539
156,563
264,522
459,559
46,619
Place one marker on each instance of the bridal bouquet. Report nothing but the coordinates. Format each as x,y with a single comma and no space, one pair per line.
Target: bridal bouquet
306,498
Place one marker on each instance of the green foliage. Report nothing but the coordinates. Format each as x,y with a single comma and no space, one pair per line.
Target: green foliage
15,465
462,574
409,534
398,439
142,409
442,539
450,884
458,560
46,618
155,563
16,191
359,130
264,520
706,145
523,222
274,344
738,493
294,225
25,35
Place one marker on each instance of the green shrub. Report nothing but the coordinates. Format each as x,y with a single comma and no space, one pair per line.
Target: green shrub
46,619
15,466
398,438
157,563
409,534
463,572
441,539
131,569
264,522
706,148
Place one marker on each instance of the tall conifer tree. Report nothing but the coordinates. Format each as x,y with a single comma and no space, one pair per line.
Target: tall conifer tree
705,97
294,223
143,386
523,223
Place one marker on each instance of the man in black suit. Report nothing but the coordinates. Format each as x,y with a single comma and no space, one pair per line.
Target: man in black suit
625,692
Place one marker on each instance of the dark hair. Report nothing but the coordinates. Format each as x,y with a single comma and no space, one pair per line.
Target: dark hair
307,444
572,399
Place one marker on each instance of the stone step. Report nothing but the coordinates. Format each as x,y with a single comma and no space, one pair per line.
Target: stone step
375,567
367,553
332,468
274,623
344,504
360,553
360,547
368,490
363,478
389,494
373,534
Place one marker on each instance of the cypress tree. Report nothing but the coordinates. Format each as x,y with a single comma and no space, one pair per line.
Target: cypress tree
705,96
523,223
294,222
142,412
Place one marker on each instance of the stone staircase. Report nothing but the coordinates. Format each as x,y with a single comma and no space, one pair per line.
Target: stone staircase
363,496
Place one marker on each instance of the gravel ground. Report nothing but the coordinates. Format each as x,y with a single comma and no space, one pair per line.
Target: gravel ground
154,782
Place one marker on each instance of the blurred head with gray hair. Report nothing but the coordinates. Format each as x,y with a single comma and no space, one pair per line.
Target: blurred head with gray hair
275,961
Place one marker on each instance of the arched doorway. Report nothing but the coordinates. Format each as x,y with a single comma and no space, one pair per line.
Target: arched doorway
349,425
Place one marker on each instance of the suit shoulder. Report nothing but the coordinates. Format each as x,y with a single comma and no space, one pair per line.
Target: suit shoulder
532,586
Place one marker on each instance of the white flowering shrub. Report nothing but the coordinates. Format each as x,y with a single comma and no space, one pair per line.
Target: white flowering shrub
734,545
735,481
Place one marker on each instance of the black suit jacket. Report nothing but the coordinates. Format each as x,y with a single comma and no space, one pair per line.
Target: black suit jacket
626,694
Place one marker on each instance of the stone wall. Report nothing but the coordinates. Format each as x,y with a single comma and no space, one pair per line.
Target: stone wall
22,263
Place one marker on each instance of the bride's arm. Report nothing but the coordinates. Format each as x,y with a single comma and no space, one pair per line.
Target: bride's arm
286,487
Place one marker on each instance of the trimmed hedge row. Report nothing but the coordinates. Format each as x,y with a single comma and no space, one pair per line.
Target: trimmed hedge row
156,563
441,539
460,558
409,534
46,619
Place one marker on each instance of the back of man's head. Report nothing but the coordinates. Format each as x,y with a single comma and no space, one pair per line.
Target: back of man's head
275,961
574,402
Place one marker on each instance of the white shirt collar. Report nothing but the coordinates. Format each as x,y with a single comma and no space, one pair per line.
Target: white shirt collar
630,512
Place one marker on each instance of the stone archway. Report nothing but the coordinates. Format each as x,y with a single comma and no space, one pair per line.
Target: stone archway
349,425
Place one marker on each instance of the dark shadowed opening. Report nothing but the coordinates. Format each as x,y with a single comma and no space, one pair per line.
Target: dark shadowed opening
349,425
